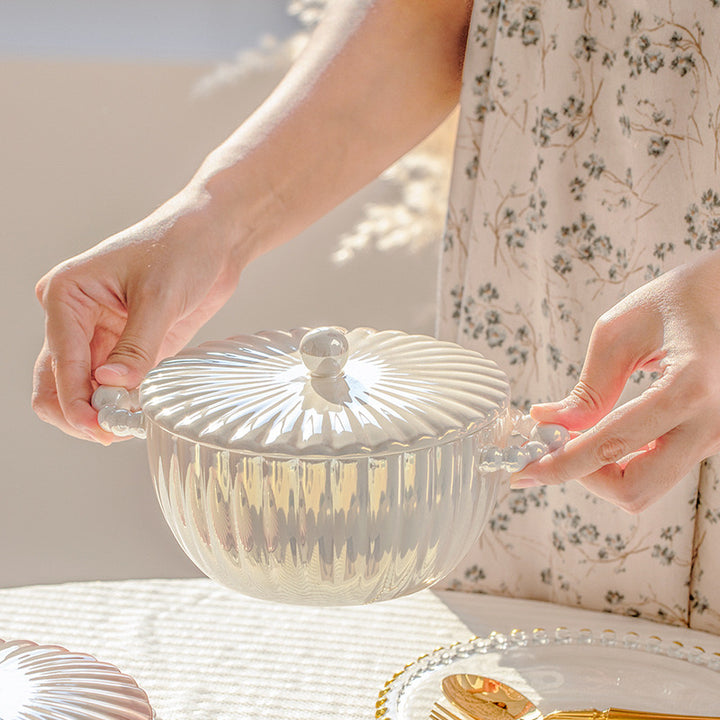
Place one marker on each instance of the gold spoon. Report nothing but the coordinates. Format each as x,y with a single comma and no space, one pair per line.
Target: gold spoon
483,698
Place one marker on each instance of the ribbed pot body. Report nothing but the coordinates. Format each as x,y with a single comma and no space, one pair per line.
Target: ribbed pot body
325,531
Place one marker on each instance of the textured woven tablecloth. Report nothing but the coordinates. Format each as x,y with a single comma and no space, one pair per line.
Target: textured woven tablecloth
206,653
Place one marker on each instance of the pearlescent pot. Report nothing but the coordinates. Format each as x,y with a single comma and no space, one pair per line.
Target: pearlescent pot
325,467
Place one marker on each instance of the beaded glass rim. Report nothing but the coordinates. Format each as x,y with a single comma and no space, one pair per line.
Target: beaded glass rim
517,638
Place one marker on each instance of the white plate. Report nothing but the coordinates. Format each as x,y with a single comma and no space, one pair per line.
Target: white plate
568,670
39,682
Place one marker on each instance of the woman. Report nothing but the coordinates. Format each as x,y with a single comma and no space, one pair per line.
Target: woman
585,185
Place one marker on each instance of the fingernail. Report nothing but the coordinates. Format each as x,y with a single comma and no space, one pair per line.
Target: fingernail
522,483
99,436
117,369
549,406
91,435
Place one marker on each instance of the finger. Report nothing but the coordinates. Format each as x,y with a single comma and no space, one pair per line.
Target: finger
616,349
649,475
138,348
68,344
47,407
44,398
64,373
625,430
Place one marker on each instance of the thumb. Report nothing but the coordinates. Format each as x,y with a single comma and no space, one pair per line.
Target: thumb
609,362
137,349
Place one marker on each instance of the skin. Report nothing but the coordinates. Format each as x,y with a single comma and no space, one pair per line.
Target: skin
376,78
633,454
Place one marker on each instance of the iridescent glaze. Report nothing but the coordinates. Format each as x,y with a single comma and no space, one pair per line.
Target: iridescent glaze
325,467
260,394
334,531
48,681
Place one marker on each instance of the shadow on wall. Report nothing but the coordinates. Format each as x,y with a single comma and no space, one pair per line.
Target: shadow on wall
91,145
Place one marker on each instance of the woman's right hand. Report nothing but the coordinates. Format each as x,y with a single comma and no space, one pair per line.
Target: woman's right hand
115,310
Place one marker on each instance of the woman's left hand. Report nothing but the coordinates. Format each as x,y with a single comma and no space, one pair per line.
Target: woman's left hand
631,455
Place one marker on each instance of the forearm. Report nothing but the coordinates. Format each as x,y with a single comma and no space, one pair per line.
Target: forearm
376,77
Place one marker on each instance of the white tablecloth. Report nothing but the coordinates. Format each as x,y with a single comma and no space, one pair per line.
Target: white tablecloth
206,653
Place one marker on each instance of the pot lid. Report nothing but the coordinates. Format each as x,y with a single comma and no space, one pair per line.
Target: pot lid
325,392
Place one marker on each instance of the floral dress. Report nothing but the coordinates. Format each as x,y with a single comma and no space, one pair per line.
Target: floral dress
587,163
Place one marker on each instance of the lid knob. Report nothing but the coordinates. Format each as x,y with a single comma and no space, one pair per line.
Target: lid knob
324,351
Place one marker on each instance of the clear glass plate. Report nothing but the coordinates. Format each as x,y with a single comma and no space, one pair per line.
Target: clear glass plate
566,670
39,682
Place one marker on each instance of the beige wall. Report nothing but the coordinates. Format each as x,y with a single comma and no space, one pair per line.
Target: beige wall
86,149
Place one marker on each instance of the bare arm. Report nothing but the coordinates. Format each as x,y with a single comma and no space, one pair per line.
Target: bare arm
376,77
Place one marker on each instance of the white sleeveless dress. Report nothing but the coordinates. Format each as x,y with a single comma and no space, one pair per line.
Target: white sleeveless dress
587,163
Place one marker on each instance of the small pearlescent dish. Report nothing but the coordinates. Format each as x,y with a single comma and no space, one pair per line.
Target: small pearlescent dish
47,681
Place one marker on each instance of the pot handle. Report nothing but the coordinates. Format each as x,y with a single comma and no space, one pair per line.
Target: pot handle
119,411
529,442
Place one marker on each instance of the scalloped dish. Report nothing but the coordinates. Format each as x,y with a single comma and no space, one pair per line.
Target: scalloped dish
38,682
566,670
